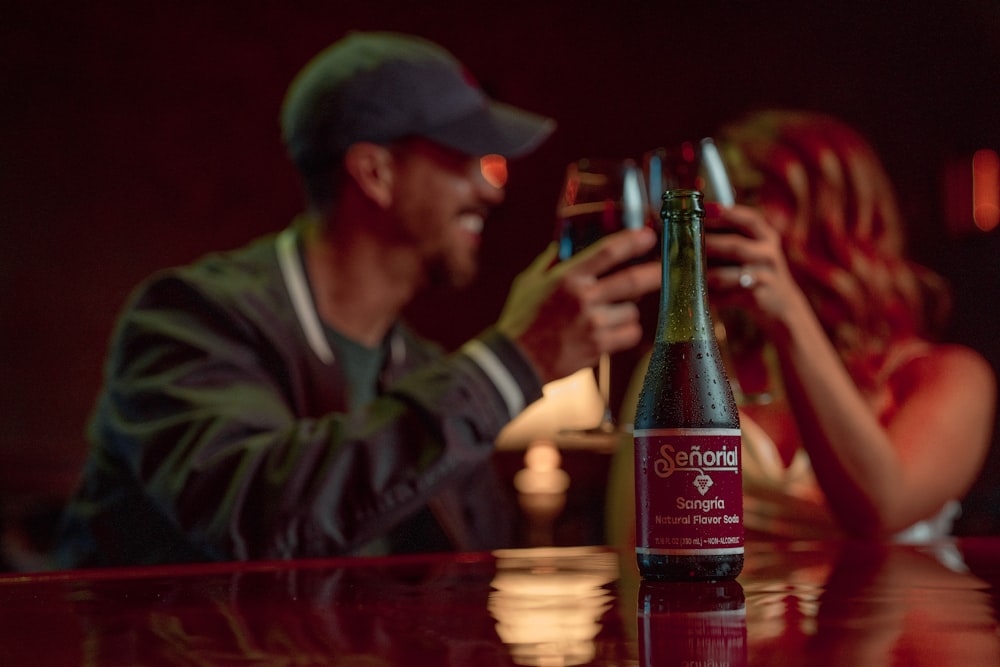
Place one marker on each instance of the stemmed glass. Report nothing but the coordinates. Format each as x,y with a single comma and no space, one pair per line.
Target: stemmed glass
699,166
694,165
600,197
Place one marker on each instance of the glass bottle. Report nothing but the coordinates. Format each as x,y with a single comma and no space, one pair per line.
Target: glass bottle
688,482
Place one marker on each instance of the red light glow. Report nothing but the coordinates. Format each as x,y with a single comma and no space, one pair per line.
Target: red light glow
687,152
494,168
986,189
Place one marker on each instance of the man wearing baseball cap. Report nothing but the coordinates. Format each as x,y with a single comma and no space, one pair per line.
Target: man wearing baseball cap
269,402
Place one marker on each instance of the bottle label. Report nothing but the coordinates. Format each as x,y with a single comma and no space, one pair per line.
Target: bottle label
688,492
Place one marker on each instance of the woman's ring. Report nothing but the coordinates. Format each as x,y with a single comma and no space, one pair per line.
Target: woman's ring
747,279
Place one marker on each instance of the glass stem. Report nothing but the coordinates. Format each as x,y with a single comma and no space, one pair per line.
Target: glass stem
604,386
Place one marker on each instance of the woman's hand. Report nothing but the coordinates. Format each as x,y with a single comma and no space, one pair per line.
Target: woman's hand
747,267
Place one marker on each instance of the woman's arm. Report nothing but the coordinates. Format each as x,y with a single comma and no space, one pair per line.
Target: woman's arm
878,478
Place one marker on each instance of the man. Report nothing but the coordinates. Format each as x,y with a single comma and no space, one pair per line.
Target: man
268,403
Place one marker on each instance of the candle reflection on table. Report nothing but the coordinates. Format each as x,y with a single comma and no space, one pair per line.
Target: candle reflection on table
549,603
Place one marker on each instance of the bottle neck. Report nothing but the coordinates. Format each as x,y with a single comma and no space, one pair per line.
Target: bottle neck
684,312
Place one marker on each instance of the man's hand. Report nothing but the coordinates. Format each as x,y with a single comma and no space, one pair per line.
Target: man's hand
564,315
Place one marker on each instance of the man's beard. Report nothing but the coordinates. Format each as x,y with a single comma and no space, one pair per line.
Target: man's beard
445,273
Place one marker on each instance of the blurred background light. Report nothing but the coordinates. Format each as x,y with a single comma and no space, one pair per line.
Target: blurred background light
971,193
986,189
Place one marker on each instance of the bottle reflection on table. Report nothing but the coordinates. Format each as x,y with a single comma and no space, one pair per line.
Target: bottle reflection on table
692,623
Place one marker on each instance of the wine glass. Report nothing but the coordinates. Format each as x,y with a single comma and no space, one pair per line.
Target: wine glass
692,165
699,166
599,197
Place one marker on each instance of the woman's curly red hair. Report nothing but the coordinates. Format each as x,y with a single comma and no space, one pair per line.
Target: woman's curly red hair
845,245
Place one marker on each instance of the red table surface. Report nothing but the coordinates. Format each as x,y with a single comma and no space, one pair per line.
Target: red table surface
838,603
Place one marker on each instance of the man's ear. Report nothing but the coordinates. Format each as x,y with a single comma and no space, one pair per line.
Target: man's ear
371,167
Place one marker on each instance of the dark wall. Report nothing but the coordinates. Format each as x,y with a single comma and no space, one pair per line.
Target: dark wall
139,135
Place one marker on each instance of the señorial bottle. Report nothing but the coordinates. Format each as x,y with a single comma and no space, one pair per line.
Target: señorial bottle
688,483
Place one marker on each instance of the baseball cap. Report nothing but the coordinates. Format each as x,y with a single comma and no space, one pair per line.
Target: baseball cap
383,86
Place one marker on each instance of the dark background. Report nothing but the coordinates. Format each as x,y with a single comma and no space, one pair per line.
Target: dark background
138,135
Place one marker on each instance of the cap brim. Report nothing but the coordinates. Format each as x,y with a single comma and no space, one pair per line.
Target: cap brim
495,128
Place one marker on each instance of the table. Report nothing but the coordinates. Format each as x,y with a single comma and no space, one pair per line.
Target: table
836,603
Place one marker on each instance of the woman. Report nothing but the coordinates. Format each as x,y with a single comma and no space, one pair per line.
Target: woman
854,421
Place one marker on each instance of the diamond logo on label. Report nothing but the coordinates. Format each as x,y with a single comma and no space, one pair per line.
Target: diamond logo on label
703,482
